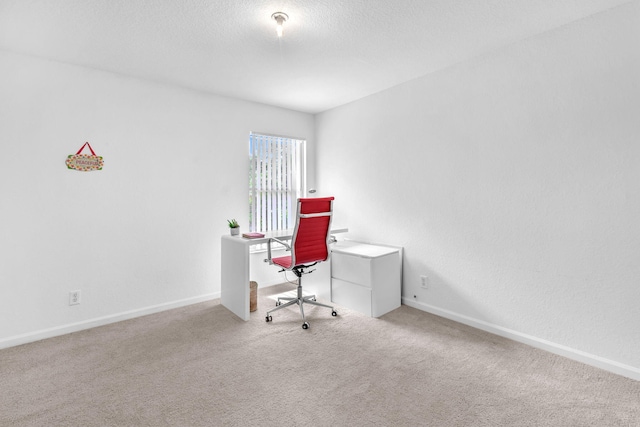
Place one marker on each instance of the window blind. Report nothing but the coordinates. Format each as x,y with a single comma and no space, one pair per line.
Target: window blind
276,180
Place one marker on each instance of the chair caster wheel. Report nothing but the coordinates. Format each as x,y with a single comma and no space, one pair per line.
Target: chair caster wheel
334,313
268,318
305,325
278,303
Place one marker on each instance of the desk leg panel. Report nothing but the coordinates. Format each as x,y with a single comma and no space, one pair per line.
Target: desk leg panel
234,287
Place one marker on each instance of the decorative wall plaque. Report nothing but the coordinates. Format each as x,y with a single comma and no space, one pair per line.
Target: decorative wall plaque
85,162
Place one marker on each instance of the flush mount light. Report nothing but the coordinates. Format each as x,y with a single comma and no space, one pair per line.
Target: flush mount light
280,18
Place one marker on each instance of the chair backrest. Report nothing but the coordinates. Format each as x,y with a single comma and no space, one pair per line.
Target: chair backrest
310,240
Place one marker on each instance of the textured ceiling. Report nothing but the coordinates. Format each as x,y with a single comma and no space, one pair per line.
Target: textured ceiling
332,52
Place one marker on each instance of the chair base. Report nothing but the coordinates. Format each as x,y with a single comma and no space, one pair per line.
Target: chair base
300,300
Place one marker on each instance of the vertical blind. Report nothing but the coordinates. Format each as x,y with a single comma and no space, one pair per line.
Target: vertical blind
276,180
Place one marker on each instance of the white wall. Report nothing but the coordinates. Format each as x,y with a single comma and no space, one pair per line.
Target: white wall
513,182
144,233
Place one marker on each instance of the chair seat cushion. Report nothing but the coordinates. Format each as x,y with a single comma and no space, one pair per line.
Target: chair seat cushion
283,261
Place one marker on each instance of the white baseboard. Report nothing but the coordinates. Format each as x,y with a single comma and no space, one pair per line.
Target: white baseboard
578,355
561,350
100,321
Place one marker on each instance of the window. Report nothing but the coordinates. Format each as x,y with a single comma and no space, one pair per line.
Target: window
276,180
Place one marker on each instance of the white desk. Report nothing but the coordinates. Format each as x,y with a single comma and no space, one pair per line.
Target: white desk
234,288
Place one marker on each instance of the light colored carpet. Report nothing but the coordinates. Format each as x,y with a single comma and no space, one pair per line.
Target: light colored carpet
202,366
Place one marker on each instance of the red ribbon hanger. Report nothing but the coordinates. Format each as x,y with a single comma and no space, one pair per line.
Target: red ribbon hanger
86,144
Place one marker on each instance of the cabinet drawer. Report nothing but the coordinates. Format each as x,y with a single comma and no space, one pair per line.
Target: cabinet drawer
351,268
352,296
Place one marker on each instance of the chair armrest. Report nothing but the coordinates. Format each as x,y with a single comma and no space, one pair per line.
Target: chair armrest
286,245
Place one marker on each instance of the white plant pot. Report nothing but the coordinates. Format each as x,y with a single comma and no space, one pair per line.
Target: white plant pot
235,231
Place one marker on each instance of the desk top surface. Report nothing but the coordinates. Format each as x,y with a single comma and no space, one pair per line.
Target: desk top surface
280,234
363,250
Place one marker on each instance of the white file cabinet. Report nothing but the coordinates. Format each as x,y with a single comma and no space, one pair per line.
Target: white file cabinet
366,278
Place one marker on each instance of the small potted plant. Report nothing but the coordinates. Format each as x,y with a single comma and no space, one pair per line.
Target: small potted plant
234,227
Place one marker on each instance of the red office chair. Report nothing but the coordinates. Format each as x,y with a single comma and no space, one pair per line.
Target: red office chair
309,246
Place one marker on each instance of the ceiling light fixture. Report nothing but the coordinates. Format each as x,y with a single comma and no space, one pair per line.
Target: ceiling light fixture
280,18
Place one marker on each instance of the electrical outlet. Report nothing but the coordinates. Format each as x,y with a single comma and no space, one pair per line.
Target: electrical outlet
74,297
424,282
